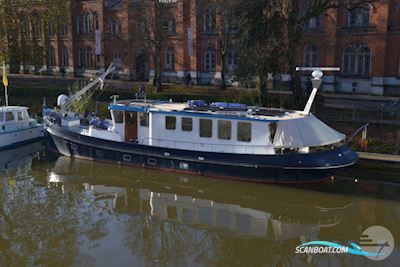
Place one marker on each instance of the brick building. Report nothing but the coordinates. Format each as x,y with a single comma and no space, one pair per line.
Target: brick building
364,42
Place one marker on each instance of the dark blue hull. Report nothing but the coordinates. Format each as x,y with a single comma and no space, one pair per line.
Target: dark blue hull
291,168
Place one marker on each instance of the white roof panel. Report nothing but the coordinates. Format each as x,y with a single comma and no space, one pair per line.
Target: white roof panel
305,132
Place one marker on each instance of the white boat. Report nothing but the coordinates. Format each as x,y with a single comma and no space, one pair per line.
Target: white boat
17,128
224,140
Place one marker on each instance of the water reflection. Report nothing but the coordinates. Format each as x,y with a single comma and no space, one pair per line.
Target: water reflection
85,213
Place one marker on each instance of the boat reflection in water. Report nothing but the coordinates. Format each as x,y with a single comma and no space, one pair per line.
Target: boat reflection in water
83,213
17,161
260,224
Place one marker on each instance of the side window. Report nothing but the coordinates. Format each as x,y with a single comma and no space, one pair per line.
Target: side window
244,132
25,115
187,124
205,128
119,116
1,117
9,116
224,130
144,119
170,123
20,118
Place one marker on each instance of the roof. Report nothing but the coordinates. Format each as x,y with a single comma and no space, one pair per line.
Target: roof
12,108
305,132
182,109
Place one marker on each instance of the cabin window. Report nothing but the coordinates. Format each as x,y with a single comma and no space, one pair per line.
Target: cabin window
244,132
119,116
224,130
205,128
187,124
144,119
9,116
170,123
20,118
1,116
26,115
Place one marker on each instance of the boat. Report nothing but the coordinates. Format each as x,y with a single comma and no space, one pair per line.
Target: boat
222,140
17,128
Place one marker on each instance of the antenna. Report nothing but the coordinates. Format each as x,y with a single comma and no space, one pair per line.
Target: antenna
317,75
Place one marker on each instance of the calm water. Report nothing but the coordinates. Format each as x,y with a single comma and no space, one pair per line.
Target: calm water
62,212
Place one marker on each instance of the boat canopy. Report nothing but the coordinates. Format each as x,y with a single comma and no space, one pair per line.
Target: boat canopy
306,131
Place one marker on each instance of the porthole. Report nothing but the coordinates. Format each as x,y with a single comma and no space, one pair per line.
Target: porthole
127,157
151,161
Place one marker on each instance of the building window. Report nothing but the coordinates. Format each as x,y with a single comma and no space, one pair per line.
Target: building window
187,124
117,57
64,61
144,119
38,27
63,29
170,26
314,23
230,23
89,57
310,56
359,17
87,19
205,128
116,27
96,22
52,56
209,61
140,25
78,25
50,28
244,132
170,59
231,61
170,123
224,130
356,60
209,20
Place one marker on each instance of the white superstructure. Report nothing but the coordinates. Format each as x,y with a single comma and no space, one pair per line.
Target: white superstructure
17,127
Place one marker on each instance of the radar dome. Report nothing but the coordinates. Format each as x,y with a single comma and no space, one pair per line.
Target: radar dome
61,100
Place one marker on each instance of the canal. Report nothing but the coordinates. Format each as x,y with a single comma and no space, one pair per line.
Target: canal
55,211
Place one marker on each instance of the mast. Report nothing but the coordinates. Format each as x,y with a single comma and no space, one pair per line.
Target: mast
65,107
317,75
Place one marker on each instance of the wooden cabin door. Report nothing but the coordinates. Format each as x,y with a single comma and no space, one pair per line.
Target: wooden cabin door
131,127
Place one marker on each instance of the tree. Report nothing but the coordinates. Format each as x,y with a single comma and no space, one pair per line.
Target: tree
219,21
24,26
160,21
261,34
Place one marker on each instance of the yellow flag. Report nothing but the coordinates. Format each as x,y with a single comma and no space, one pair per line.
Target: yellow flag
5,80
